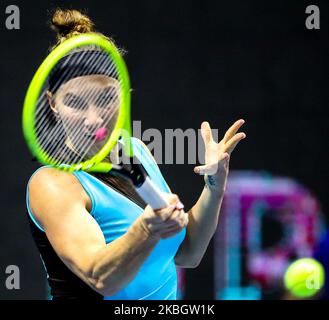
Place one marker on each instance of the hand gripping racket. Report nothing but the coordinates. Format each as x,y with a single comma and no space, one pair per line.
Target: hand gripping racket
77,110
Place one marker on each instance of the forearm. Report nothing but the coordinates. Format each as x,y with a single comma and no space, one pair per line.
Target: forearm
118,263
203,220
203,217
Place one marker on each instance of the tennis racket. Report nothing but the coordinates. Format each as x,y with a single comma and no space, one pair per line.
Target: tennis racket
77,110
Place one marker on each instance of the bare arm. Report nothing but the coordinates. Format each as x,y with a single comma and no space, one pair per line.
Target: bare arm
203,220
61,205
203,217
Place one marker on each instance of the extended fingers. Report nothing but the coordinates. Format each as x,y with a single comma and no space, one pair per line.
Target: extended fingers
232,143
206,132
233,130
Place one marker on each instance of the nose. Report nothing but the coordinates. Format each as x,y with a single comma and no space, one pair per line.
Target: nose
93,120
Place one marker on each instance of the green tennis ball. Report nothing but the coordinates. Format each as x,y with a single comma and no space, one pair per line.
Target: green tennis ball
304,277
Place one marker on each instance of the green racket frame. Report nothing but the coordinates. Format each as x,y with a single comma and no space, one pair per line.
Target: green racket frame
123,126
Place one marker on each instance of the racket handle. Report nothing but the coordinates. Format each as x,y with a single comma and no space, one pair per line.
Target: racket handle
152,195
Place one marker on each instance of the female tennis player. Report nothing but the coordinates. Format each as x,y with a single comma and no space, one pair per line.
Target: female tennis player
97,238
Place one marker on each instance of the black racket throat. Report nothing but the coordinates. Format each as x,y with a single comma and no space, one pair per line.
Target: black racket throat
133,171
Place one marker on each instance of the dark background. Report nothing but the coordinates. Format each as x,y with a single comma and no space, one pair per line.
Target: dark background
189,61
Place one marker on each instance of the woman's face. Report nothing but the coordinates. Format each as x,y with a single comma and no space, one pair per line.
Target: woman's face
84,105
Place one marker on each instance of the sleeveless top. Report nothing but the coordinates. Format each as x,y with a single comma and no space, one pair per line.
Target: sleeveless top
114,213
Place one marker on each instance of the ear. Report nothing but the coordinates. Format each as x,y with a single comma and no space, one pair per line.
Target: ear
51,102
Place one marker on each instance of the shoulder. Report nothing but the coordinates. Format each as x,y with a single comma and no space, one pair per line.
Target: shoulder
54,180
50,187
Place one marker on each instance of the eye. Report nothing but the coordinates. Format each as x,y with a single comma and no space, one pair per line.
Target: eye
106,99
74,102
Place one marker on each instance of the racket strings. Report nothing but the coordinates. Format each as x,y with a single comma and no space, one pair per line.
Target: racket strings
51,138
110,111
45,119
79,140
77,136
44,107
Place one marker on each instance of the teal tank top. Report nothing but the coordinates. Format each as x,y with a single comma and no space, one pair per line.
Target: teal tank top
114,213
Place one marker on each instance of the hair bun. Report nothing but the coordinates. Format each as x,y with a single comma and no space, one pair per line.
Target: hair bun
67,23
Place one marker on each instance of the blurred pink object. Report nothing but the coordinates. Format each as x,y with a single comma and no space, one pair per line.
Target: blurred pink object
100,134
265,223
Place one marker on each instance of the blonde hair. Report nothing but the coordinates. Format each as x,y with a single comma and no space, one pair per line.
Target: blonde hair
68,23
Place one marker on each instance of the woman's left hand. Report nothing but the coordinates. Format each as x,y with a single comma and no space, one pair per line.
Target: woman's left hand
217,155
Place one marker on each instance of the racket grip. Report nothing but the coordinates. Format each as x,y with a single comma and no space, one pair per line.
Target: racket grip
152,195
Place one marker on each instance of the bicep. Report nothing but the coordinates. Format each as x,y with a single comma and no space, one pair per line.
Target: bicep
72,231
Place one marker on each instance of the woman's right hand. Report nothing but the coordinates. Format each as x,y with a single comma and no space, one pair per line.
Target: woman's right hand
166,222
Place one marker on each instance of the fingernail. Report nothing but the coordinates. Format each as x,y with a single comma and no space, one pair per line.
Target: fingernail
179,205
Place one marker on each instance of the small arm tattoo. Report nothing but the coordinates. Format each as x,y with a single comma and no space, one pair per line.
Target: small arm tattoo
210,181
